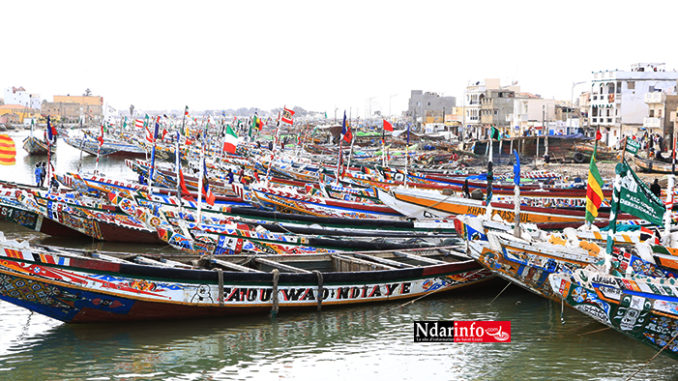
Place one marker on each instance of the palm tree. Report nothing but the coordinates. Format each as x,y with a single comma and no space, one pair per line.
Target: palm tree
131,111
88,92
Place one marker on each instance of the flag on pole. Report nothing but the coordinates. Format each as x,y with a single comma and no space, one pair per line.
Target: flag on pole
495,134
7,150
177,158
101,137
231,142
287,116
408,134
186,111
206,191
346,130
51,131
155,136
387,126
594,187
257,122
516,169
139,123
150,137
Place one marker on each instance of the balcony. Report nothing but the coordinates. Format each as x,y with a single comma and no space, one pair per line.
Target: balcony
655,97
652,122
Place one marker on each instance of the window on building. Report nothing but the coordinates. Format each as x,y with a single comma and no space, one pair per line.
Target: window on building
608,112
651,89
659,113
631,85
651,113
618,87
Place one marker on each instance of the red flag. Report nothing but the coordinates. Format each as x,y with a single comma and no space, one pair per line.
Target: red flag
387,126
101,138
598,135
287,115
182,182
149,135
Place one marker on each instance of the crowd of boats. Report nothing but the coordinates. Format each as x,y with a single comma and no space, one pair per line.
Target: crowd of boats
268,227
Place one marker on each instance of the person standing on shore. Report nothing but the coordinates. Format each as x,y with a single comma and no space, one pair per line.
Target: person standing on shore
656,189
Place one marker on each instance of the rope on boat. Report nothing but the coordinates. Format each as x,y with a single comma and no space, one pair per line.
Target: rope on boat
274,295
500,292
428,293
320,288
220,276
653,357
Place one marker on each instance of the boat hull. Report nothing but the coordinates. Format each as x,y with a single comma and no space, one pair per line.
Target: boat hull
83,290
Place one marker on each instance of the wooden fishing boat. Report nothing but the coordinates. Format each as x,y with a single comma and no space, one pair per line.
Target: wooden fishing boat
72,287
35,146
320,206
110,148
13,211
652,166
528,264
95,219
642,307
416,203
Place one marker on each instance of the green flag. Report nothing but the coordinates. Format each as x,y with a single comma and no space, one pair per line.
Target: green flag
635,197
495,134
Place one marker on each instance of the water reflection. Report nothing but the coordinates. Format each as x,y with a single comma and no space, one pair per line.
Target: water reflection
341,343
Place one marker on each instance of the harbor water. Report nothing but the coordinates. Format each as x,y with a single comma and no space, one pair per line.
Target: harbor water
351,343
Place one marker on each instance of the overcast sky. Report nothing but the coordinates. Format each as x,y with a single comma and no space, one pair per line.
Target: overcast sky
321,55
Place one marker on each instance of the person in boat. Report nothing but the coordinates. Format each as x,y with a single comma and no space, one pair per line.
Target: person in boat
142,179
54,185
230,176
43,174
655,188
38,174
465,189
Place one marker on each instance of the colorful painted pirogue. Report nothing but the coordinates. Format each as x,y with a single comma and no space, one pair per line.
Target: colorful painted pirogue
109,148
93,218
218,235
431,204
643,307
71,287
36,146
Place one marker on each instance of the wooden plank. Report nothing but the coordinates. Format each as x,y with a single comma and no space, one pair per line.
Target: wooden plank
281,266
419,258
454,253
235,267
151,262
362,261
109,258
175,263
385,261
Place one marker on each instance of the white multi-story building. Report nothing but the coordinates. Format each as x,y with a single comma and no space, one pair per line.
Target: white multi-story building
19,96
530,114
618,104
472,97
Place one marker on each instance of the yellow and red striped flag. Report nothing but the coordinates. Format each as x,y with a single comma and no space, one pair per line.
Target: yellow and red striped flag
7,150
